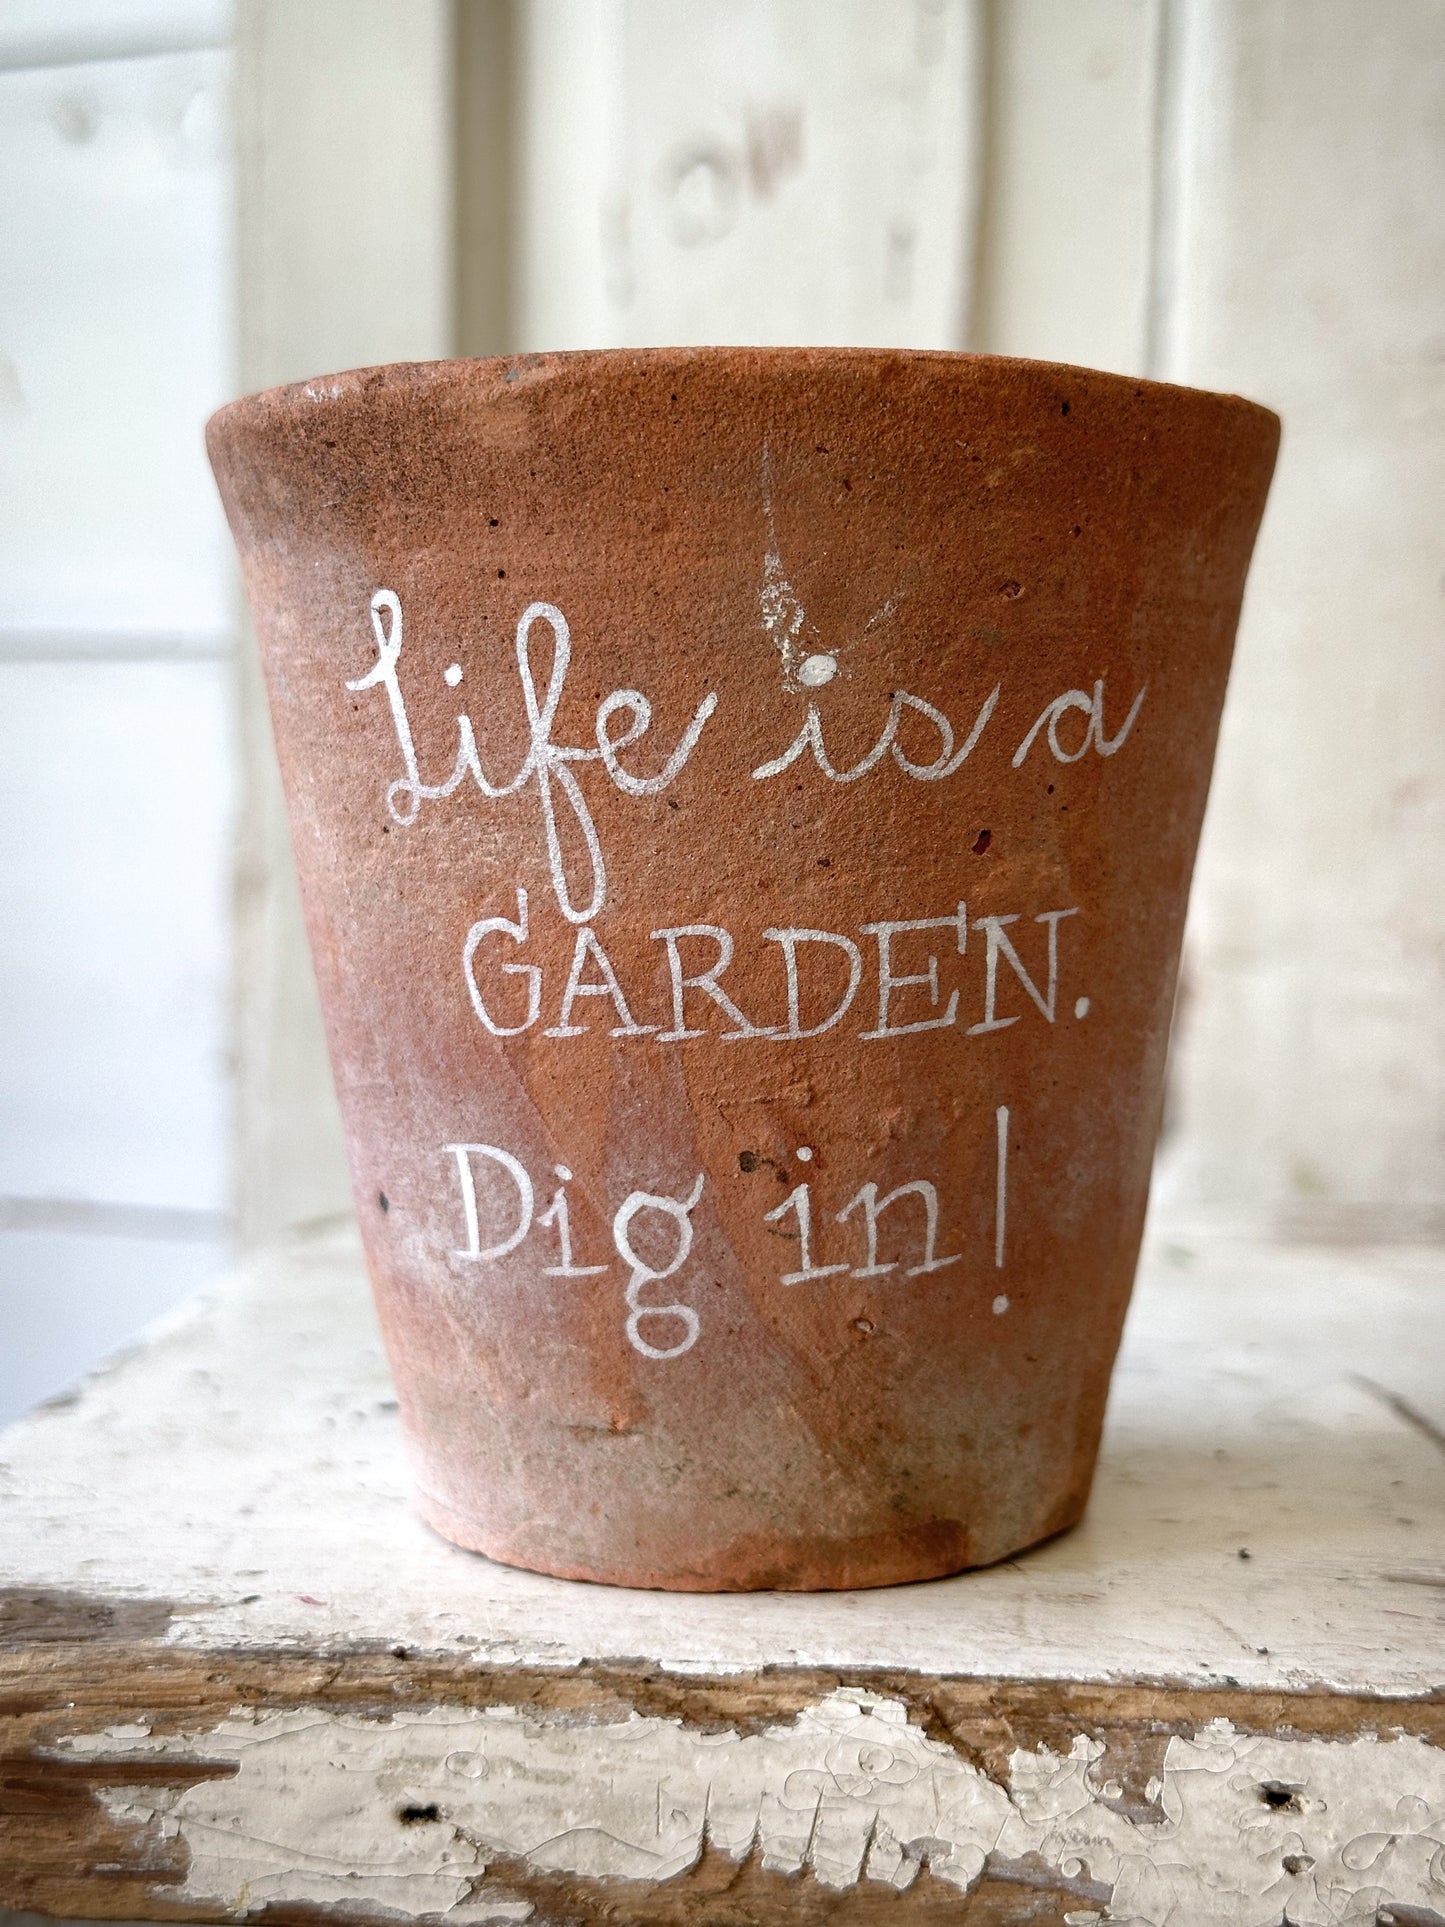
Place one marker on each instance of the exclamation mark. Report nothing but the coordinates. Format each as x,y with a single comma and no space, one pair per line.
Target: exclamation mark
1000,1207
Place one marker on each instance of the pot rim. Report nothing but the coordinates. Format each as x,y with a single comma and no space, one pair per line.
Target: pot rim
509,371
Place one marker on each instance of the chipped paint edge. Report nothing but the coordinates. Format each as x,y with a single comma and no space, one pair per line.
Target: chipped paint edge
407,1813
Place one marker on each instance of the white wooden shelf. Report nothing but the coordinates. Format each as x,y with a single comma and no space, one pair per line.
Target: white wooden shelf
237,1673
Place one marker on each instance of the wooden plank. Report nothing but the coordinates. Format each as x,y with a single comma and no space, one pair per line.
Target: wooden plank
484,158
1303,264
344,112
359,1788
1067,213
756,172
241,1672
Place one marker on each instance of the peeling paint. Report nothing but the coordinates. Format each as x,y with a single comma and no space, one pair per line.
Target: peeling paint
407,1813
1251,1830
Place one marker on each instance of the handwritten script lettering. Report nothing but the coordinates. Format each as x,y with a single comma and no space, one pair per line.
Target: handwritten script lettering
688,978
944,763
547,764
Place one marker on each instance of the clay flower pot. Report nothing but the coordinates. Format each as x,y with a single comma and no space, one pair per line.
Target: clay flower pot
745,803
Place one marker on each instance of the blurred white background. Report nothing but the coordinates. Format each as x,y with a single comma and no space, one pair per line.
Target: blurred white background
198,199
118,755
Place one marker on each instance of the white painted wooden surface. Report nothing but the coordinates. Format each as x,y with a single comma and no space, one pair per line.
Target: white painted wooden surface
116,615
1269,1514
1066,241
344,125
247,1462
1304,264
850,1791
344,111
753,172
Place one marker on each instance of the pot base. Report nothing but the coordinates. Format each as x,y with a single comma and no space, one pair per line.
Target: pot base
912,1555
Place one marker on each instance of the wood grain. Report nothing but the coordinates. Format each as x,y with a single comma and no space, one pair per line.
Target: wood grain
61,1853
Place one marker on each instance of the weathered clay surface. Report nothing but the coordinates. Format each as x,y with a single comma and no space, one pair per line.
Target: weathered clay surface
744,803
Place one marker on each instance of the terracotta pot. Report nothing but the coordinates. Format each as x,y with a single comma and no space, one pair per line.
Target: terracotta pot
745,803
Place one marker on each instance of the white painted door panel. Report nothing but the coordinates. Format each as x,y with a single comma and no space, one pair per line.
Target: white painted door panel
744,171
345,153
37,33
1305,266
116,285
1064,255
115,793
116,704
